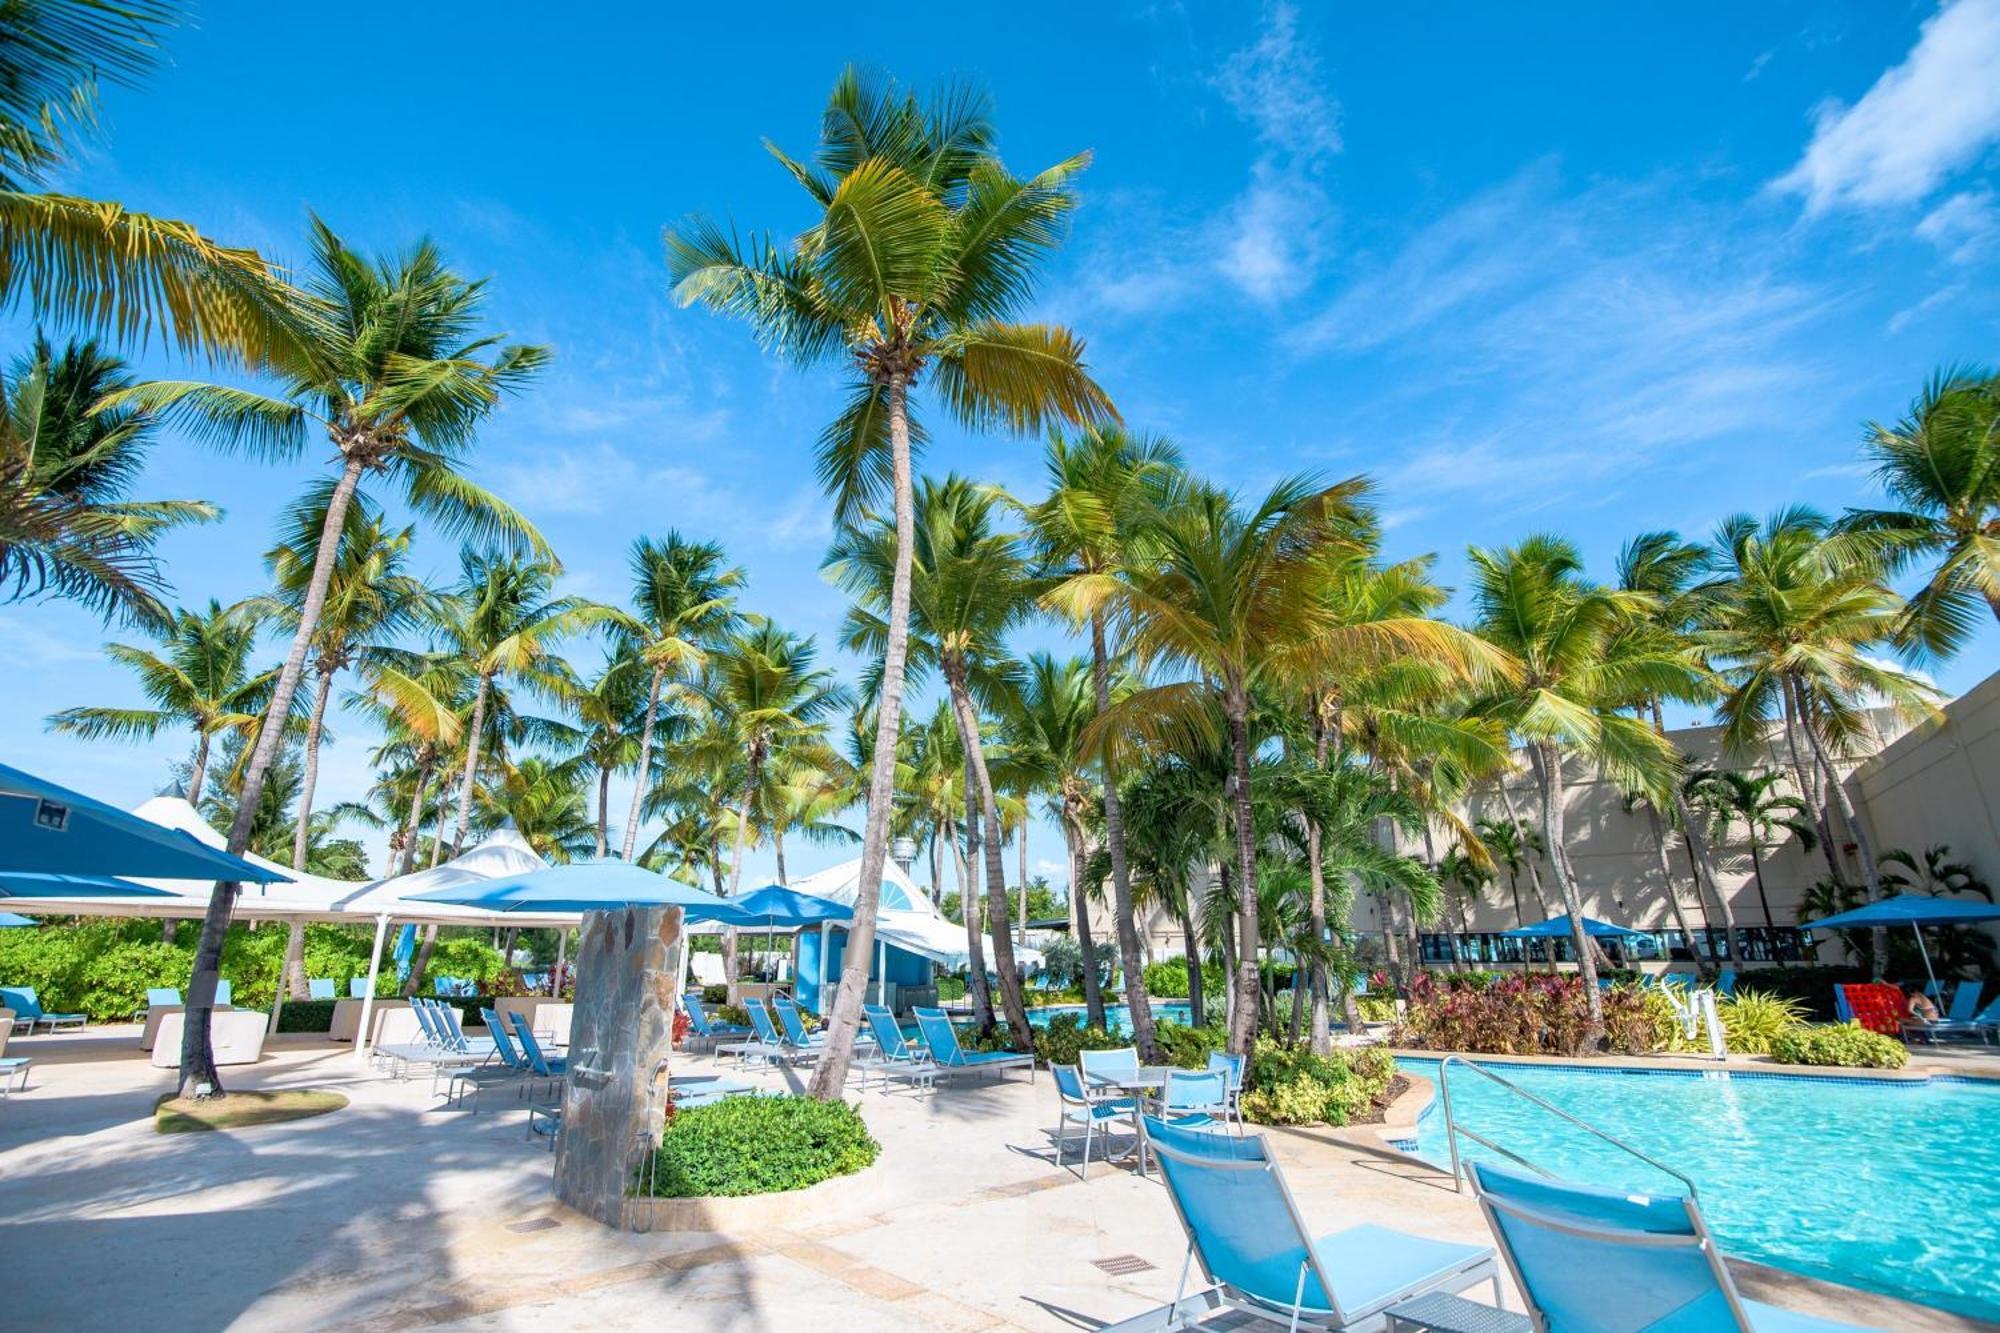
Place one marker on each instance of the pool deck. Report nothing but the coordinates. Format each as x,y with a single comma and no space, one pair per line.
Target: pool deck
394,1214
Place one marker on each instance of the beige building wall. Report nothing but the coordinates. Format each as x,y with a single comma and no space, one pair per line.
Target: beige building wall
1941,784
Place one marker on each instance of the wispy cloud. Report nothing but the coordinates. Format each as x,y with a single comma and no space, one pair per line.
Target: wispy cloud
1963,226
1923,120
1909,315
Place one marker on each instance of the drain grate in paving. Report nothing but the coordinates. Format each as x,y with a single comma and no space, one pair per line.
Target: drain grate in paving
534,1224
1123,1265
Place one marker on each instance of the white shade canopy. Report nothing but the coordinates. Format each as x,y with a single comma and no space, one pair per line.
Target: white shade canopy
907,920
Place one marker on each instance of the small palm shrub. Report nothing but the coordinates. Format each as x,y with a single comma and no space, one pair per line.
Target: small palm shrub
1752,1020
760,1145
1845,1044
1189,1047
1640,1022
1289,1085
1065,1035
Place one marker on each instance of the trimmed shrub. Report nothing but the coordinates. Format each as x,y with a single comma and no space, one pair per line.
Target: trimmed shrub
760,1145
1640,1022
306,1016
1535,1014
1752,1020
1065,1035
1292,1086
715,994
1168,980
1376,1008
950,988
1189,1047
1845,1044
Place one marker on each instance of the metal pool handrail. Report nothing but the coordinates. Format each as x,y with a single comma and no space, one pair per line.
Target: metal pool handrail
1452,1129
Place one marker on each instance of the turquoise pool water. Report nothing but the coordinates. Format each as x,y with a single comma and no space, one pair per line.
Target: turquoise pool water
1117,1017
1890,1186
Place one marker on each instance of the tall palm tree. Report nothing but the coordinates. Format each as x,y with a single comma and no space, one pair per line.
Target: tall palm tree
421,703
199,677
398,375
925,249
766,689
504,620
1056,703
970,585
1795,616
96,263
1752,800
1941,467
1513,843
940,785
609,708
66,526
1100,484
1237,595
683,599
543,800
1578,667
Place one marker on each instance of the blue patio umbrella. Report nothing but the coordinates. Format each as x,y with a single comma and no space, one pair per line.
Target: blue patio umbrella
1915,910
586,886
27,885
1557,928
50,830
775,905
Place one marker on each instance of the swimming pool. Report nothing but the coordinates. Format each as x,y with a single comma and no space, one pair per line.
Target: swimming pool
1893,1186
1117,1017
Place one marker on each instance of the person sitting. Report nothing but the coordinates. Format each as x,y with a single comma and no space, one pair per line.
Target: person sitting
1919,1007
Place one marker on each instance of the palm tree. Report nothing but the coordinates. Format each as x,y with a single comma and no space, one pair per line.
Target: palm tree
1100,483
335,858
199,677
766,689
1577,668
66,526
504,621
940,785
1794,617
608,708
398,376
1237,596
1750,799
683,599
96,263
419,702
970,585
1514,843
1056,703
925,249
1941,467
542,799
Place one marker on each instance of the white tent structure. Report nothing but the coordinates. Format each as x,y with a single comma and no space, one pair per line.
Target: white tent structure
907,918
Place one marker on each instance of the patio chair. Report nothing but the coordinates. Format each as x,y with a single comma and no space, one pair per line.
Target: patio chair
27,1007
1578,1253
795,1026
941,1039
157,997
702,1029
894,1056
319,988
551,1067
1978,1024
225,992
1232,1066
1195,1099
778,1046
1095,1114
1259,1258
446,1015
1102,1068
1725,984
10,1067
511,1065
357,988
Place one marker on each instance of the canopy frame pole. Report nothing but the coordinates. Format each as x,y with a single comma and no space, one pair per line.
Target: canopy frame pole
1923,949
366,1031
825,943
277,1001
562,953
881,971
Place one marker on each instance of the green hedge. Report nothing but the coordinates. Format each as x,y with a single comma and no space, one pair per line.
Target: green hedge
306,1016
760,1145
1168,980
1845,1044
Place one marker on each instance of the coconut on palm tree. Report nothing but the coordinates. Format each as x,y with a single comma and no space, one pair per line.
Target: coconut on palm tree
924,251
397,375
198,677
67,527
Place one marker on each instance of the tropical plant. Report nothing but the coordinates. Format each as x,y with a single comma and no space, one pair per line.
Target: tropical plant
1752,1020
419,702
759,1145
199,677
969,586
66,526
608,709
543,801
1751,799
683,599
1844,1044
1941,467
1514,843
925,248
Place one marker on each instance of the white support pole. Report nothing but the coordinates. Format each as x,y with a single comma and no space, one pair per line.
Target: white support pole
277,1002
361,1037
825,943
687,948
562,951
881,971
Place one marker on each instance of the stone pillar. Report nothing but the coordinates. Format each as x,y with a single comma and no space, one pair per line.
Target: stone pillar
620,1036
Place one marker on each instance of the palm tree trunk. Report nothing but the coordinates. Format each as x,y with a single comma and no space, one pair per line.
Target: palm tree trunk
416,817
1704,866
1321,1039
1011,1001
310,778
423,960
1243,1032
778,849
1667,883
1191,958
645,764
197,1051
1122,913
603,810
1809,791
1871,874
1534,868
472,738
1021,855
200,769
295,963
755,763
830,1073
437,840
1093,990
1548,763
1757,871
966,868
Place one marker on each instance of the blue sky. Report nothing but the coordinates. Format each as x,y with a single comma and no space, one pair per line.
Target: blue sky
1583,268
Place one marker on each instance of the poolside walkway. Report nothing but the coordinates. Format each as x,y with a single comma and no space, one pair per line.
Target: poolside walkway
392,1215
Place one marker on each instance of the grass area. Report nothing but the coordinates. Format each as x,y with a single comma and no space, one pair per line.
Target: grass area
240,1110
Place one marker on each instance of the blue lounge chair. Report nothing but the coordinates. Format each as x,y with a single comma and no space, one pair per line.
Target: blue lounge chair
319,988
1109,1069
1577,1253
1966,1019
27,1007
941,1039
1254,1249
795,1026
704,1030
10,1067
1096,1114
157,997
1725,984
550,1067
894,1055
446,1016
357,988
1232,1066
225,991
778,1046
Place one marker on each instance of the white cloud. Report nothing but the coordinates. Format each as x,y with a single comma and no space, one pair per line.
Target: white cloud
1909,315
1275,84
1963,225
1928,117
26,645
